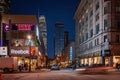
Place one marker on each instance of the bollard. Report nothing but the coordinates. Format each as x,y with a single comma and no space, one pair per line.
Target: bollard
0,76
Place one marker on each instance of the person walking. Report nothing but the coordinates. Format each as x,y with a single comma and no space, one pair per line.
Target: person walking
117,66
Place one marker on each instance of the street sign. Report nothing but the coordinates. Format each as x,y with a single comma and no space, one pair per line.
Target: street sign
3,50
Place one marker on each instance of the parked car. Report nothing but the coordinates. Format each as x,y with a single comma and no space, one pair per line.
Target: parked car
55,67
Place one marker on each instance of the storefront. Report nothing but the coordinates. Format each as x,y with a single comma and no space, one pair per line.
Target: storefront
23,56
20,34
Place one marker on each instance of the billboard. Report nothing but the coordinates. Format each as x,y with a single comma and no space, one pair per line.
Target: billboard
18,27
3,50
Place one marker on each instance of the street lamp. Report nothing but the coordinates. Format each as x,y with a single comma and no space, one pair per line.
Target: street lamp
29,38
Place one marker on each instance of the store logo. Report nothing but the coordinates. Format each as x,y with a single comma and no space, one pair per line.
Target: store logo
13,51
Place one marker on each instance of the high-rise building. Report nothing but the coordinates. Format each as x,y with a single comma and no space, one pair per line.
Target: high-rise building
43,33
66,38
4,9
98,32
59,38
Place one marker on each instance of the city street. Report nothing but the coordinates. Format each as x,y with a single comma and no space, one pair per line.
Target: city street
59,75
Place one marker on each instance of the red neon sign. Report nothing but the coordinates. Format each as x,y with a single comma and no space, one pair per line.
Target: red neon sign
24,26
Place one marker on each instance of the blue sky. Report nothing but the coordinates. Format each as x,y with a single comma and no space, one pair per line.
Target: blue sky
53,10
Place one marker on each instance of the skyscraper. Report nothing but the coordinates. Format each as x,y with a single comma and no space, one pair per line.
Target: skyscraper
59,38
66,38
43,32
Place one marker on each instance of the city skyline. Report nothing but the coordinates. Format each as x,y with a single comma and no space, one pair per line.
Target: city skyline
54,11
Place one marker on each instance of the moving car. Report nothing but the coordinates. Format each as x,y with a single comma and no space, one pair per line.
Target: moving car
55,67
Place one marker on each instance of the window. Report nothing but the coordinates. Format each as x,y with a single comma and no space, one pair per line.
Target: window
105,25
82,38
97,29
105,10
97,16
86,36
91,13
91,22
91,32
97,5
86,18
97,41
91,44
105,38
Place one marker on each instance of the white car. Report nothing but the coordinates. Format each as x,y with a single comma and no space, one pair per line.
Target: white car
55,67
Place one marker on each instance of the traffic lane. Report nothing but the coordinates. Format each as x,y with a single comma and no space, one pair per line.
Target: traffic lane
41,76
57,76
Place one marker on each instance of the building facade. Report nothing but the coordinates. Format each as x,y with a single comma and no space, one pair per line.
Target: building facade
20,37
98,32
42,37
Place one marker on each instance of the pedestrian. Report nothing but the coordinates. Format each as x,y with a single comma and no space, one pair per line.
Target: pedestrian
19,67
26,66
117,66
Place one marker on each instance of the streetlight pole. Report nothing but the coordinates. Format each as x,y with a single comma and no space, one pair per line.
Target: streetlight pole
29,38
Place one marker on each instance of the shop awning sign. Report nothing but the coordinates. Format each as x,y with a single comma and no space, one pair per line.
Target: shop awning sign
3,50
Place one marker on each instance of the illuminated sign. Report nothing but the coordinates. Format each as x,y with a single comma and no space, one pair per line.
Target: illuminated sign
19,51
71,51
24,26
3,50
20,27
6,27
13,51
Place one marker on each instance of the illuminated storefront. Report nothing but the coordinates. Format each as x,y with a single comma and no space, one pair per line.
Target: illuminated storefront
17,28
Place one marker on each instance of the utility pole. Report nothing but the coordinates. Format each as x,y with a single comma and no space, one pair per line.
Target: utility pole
1,40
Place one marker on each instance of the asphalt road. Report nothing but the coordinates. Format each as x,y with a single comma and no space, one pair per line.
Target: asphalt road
59,75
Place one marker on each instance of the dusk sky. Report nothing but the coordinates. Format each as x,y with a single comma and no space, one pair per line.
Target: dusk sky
54,11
